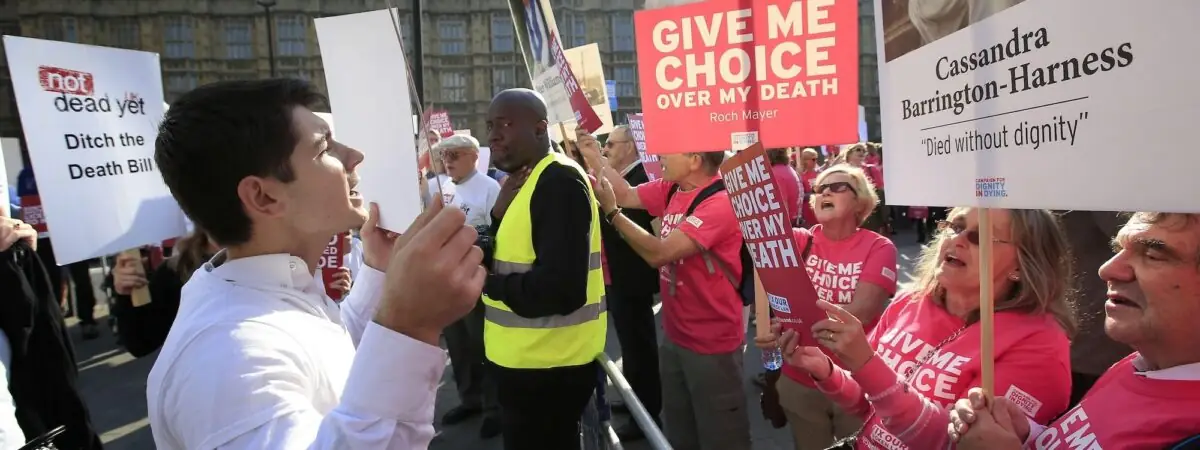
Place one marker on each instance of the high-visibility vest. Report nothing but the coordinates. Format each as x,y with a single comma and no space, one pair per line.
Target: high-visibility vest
556,341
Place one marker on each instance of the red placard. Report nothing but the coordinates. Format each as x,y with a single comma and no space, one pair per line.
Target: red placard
439,121
585,116
777,254
32,214
727,70
331,260
637,130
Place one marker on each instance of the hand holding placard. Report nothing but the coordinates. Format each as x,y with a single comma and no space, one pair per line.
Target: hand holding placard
771,240
129,278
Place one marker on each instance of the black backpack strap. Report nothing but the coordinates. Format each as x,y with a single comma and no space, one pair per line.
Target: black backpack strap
1191,443
671,192
708,191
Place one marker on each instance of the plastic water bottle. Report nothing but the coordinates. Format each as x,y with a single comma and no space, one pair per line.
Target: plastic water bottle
772,359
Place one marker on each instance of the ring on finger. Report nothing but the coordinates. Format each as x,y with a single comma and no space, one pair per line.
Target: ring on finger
827,335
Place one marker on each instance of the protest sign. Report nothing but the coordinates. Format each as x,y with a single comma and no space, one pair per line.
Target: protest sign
332,259
463,132
90,116
439,121
373,117
485,160
1040,106
548,68
586,66
784,69
611,86
5,210
762,216
11,148
637,130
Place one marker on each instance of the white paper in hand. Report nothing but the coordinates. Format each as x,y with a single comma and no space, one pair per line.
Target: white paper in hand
367,78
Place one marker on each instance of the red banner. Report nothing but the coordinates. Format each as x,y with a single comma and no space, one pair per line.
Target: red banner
31,213
637,129
758,205
331,260
784,70
585,116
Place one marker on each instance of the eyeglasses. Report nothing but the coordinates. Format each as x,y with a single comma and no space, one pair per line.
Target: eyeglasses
451,156
837,187
953,229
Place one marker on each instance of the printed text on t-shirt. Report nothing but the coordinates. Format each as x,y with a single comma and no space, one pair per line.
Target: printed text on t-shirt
1073,429
937,378
834,282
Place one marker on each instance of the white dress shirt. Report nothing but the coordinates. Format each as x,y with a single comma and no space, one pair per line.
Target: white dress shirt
11,435
260,358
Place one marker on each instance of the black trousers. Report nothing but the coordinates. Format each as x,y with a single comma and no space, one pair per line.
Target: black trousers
540,408
633,319
85,298
464,341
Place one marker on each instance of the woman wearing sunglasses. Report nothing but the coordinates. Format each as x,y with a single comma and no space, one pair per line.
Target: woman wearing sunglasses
850,266
925,352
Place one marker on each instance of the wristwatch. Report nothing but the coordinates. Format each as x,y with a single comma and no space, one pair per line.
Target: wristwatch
611,214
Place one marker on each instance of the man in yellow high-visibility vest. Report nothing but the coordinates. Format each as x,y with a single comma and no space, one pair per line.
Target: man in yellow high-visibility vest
544,307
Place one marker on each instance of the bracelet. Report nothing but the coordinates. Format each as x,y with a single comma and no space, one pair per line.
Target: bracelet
611,214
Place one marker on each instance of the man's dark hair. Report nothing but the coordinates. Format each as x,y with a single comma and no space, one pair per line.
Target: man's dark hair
218,134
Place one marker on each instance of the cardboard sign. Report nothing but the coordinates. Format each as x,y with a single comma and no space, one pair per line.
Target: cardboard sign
332,259
786,70
373,117
589,70
763,218
548,68
1034,105
650,162
90,116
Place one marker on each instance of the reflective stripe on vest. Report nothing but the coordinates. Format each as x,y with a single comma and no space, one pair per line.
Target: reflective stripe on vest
543,342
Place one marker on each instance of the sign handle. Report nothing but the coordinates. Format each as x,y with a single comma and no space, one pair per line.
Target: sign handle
986,303
762,309
139,296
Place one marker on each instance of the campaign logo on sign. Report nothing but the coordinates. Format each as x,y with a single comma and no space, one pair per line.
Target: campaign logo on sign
990,187
1027,403
742,140
66,81
538,33
778,303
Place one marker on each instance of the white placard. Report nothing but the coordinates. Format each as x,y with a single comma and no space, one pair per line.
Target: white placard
11,148
485,160
372,111
1045,104
5,206
90,116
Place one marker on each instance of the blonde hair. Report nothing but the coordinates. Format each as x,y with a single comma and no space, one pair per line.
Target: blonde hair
864,189
1043,258
809,153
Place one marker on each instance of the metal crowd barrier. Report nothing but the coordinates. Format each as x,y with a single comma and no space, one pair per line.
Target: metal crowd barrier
596,430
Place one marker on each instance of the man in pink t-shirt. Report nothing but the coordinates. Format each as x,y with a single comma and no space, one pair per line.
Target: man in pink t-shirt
1150,399
698,258
789,182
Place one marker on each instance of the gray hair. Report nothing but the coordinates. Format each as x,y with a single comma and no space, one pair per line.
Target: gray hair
455,142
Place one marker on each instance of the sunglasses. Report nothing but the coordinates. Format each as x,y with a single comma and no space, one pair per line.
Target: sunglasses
954,229
452,156
836,187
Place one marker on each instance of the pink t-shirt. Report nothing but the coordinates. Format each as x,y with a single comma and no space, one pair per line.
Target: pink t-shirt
789,187
1127,410
837,267
1032,368
875,173
806,181
702,312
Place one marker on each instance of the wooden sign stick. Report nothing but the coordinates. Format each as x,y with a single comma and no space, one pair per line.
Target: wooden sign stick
139,296
987,307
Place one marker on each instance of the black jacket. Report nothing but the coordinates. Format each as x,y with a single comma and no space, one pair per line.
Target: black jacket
43,372
144,328
631,275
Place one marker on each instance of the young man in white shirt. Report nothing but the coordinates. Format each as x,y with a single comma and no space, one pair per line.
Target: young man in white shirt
259,357
474,193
